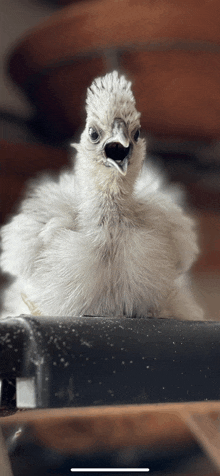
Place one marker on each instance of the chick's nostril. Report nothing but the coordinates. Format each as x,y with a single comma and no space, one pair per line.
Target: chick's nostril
116,151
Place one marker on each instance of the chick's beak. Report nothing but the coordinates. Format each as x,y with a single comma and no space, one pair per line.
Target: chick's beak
118,148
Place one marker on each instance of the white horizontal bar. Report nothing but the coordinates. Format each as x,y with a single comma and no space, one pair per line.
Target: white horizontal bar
110,470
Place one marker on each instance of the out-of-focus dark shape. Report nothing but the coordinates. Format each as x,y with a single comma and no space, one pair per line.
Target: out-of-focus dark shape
4,460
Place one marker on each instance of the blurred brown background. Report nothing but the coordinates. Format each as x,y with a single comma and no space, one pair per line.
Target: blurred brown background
50,53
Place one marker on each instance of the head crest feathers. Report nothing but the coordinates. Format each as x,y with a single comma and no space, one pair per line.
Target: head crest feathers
111,94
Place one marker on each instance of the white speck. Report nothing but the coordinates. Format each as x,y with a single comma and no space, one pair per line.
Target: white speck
54,363
131,361
17,434
114,371
113,357
122,348
89,381
62,359
87,358
66,364
123,362
163,388
84,342
94,363
16,350
143,358
147,366
13,368
174,343
100,383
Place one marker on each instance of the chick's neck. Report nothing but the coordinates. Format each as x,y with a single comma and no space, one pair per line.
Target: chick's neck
105,199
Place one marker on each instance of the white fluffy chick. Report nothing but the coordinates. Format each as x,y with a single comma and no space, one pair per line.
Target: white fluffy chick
103,240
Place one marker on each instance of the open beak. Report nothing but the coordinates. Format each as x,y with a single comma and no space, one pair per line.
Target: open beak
117,149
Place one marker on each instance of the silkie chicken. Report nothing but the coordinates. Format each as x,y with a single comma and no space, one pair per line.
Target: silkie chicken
105,239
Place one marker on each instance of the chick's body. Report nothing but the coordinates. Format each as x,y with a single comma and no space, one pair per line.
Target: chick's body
103,240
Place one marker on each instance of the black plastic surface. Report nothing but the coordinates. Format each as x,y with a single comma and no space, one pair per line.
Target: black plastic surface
103,361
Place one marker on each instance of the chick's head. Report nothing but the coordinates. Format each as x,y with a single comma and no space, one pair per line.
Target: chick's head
111,138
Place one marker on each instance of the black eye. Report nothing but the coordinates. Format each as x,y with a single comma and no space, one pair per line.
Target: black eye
137,135
94,135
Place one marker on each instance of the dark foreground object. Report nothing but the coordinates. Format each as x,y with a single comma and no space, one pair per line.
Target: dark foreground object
63,362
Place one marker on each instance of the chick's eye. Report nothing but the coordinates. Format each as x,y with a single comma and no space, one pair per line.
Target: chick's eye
137,135
94,135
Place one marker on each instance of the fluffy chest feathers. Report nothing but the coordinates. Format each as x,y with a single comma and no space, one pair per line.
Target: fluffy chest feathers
124,264
93,253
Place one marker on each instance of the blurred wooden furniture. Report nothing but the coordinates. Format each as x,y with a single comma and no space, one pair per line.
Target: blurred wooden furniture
157,428
169,49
